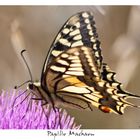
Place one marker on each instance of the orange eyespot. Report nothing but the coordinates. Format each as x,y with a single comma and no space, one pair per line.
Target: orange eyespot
105,109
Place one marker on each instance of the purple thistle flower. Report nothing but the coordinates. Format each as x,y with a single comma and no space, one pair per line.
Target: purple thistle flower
21,112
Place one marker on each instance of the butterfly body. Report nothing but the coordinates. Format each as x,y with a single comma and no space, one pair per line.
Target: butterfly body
74,73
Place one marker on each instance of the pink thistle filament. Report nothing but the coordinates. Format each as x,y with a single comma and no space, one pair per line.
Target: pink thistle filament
25,113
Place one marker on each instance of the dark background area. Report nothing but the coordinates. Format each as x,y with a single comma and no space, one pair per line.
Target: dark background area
119,33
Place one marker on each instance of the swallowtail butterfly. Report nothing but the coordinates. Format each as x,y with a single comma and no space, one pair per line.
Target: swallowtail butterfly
74,73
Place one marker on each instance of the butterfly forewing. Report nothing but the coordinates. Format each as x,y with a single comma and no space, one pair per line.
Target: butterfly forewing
77,31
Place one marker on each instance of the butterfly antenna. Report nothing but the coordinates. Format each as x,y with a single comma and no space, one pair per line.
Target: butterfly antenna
22,84
30,74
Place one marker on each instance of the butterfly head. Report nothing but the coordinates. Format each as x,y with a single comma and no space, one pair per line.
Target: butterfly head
33,85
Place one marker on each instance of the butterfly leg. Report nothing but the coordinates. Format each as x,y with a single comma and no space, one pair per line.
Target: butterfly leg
37,99
57,112
46,115
19,97
60,116
14,104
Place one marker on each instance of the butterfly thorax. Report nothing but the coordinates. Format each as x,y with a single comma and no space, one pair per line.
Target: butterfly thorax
40,93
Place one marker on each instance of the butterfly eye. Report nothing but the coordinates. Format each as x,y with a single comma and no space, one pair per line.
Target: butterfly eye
31,86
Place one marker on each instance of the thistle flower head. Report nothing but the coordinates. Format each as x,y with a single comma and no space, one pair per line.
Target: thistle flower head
21,112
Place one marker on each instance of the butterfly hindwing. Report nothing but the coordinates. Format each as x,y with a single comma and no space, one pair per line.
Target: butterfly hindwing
115,89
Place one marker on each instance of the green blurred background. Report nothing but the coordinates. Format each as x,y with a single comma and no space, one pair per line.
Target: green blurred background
119,33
